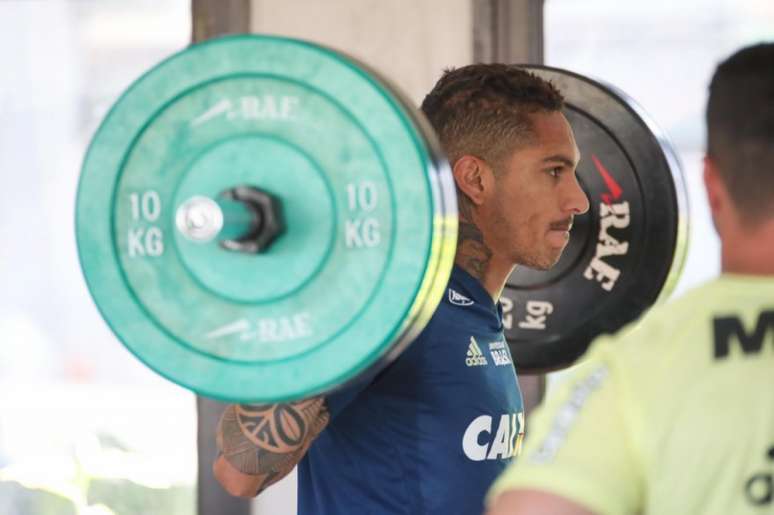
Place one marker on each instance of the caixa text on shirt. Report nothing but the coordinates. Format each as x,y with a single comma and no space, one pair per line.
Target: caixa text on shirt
485,440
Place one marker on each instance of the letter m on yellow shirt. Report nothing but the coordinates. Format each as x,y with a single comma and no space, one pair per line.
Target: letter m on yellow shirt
729,329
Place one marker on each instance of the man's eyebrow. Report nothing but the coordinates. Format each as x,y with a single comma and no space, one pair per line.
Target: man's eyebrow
561,158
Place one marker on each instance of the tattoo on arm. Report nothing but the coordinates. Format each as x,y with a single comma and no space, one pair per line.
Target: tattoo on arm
268,440
472,253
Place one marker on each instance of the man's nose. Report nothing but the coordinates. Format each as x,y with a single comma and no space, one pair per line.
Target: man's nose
576,200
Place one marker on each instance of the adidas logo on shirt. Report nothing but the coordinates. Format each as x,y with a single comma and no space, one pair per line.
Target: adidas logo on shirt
475,358
459,299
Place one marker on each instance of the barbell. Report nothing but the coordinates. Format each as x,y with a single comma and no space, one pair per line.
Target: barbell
262,219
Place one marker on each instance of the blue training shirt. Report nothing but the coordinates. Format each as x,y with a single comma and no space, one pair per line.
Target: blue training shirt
432,431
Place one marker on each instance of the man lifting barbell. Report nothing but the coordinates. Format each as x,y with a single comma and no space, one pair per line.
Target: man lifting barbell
407,439
261,219
675,417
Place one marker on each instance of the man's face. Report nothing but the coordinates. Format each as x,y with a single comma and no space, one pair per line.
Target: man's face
536,196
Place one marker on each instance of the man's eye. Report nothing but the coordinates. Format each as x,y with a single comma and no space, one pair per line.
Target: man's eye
555,172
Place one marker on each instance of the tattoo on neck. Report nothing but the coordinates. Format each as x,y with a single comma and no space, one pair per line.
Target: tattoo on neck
464,206
472,253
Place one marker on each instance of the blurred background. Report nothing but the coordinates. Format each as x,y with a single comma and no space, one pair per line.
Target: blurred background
84,427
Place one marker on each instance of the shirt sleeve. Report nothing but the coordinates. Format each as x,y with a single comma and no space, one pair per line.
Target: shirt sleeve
578,443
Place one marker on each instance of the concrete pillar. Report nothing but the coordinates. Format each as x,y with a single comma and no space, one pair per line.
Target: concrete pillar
212,18
508,31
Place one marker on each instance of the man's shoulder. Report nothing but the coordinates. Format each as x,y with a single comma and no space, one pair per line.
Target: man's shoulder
455,311
695,310
668,319
677,336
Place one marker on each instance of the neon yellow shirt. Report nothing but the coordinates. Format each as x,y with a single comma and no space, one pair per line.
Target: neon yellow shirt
675,415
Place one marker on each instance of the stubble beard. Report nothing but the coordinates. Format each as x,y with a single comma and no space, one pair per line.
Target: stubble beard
527,255
536,262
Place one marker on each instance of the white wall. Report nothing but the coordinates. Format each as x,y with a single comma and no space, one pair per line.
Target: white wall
662,53
409,41
63,64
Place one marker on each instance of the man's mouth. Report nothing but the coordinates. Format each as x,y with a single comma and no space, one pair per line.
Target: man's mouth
564,225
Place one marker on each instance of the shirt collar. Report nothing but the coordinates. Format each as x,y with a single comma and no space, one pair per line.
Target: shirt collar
472,288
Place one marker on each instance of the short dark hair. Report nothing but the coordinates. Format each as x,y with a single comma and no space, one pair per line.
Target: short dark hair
484,109
740,129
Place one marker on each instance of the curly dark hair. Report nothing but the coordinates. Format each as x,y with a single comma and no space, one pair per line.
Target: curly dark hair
484,109
740,129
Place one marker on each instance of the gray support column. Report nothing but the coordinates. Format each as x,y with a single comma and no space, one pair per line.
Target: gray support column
511,31
508,31
211,499
532,390
212,18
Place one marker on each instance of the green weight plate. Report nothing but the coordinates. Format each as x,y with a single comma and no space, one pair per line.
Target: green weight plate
366,197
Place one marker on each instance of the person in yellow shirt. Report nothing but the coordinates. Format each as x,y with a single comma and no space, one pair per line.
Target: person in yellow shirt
675,415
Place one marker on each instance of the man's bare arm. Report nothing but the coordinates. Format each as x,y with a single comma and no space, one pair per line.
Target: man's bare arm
260,444
534,502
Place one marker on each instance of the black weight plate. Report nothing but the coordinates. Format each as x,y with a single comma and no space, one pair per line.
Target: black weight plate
624,254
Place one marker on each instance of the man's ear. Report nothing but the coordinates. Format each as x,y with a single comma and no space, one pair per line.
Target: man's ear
472,177
713,184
